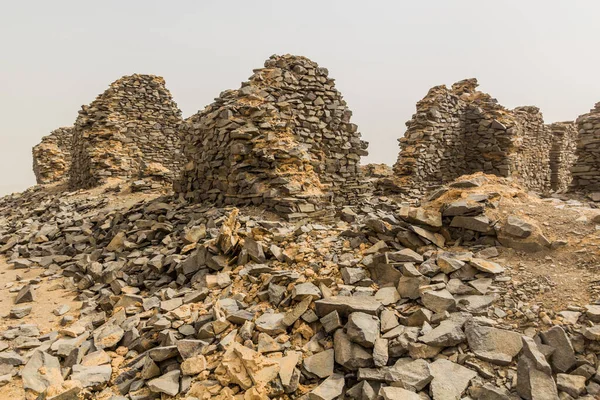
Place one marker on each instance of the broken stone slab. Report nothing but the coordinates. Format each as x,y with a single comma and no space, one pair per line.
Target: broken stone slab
387,295
330,389
573,385
363,329
480,223
41,371
486,266
107,336
438,301
396,393
346,305
25,295
11,358
517,227
462,207
21,311
448,333
320,364
167,383
534,375
450,380
353,275
563,356
303,290
348,354
271,323
497,346
93,377
194,365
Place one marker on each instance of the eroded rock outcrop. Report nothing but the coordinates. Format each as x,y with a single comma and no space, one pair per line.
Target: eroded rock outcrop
130,130
284,139
52,156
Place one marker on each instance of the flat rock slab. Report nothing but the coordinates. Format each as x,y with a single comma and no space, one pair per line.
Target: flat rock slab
346,305
497,346
450,380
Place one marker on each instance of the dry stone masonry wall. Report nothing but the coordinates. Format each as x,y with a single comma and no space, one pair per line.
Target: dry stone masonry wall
130,130
586,171
562,154
284,139
52,156
461,130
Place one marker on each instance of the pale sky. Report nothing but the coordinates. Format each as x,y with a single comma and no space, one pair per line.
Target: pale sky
57,55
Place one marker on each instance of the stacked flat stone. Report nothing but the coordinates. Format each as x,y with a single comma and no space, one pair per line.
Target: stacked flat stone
52,156
586,171
130,130
562,154
461,130
284,139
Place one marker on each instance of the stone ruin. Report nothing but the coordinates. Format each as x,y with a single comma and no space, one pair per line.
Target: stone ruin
284,139
460,131
130,130
52,156
586,171
562,154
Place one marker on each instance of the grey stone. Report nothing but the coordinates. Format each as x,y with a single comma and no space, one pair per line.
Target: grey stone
25,295
573,385
167,383
363,329
450,380
348,354
93,377
346,305
19,312
438,300
563,357
320,364
41,371
330,389
497,346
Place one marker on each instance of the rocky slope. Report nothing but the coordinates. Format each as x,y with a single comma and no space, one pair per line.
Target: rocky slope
480,291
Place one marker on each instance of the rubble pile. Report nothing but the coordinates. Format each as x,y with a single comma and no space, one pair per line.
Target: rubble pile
52,156
461,131
586,171
191,301
562,154
130,130
284,139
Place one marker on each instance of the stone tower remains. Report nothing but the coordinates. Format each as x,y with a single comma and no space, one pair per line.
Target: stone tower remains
52,156
284,139
130,130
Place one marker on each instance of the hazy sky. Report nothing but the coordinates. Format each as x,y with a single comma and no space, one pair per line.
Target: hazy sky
57,55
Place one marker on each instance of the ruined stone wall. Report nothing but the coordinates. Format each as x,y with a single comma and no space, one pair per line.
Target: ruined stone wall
586,170
461,130
432,150
130,130
562,154
283,139
52,156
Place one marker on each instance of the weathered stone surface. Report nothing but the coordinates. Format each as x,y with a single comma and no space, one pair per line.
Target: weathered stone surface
52,156
346,305
167,383
563,356
450,380
438,300
349,354
497,346
573,385
313,138
41,371
330,389
129,130
320,364
363,329
92,377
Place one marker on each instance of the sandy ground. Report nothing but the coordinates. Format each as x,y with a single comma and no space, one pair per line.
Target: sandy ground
46,300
